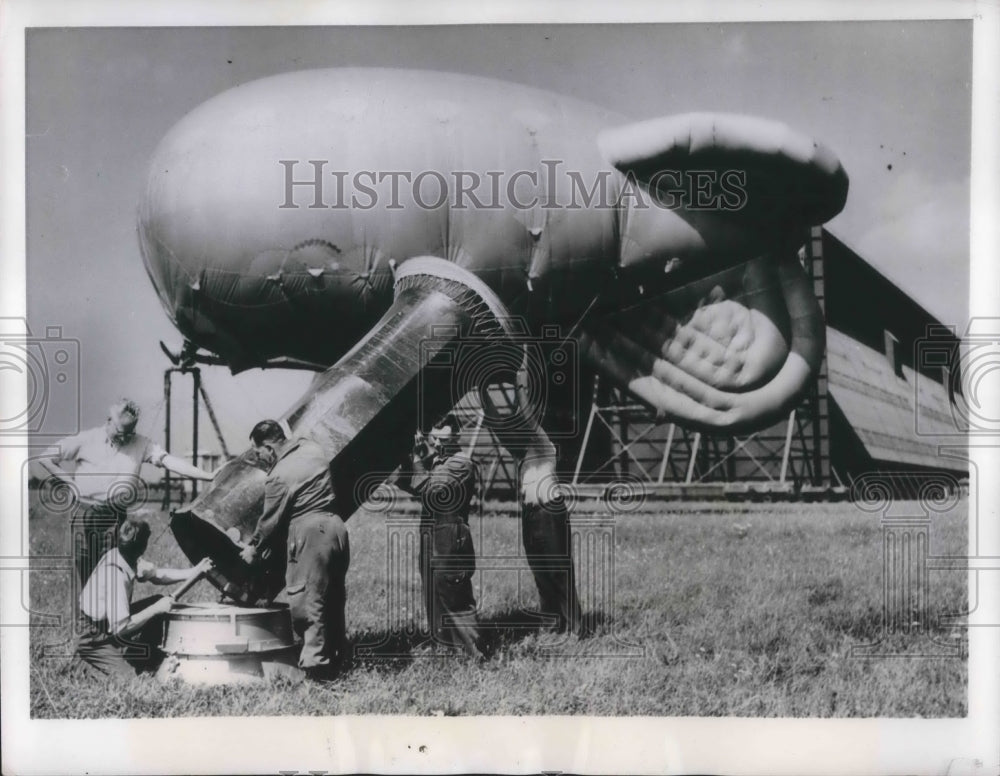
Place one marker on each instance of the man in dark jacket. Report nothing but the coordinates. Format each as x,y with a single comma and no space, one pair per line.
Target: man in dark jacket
299,498
444,478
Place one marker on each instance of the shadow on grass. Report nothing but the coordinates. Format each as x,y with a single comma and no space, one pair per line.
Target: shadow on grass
394,650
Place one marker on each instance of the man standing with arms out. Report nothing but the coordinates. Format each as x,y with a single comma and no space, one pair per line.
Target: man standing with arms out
107,461
298,496
117,636
444,477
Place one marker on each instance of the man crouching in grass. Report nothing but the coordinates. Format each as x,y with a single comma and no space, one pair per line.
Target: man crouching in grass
117,636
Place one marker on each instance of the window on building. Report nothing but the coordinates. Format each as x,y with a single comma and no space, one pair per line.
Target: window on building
893,353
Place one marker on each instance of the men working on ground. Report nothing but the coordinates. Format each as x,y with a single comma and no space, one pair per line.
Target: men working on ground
299,498
444,477
107,461
117,636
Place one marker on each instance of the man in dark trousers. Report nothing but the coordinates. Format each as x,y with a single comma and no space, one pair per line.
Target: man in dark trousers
299,498
106,462
444,478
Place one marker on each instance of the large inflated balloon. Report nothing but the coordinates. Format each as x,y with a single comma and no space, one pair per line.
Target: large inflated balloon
333,216
251,279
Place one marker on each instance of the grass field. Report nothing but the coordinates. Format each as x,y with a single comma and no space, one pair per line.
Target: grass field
714,610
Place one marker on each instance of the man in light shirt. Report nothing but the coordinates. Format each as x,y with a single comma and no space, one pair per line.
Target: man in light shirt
117,636
106,462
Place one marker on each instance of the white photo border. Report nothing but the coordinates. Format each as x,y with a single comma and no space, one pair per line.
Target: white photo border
517,744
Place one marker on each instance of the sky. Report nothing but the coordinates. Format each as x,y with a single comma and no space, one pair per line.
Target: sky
892,99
